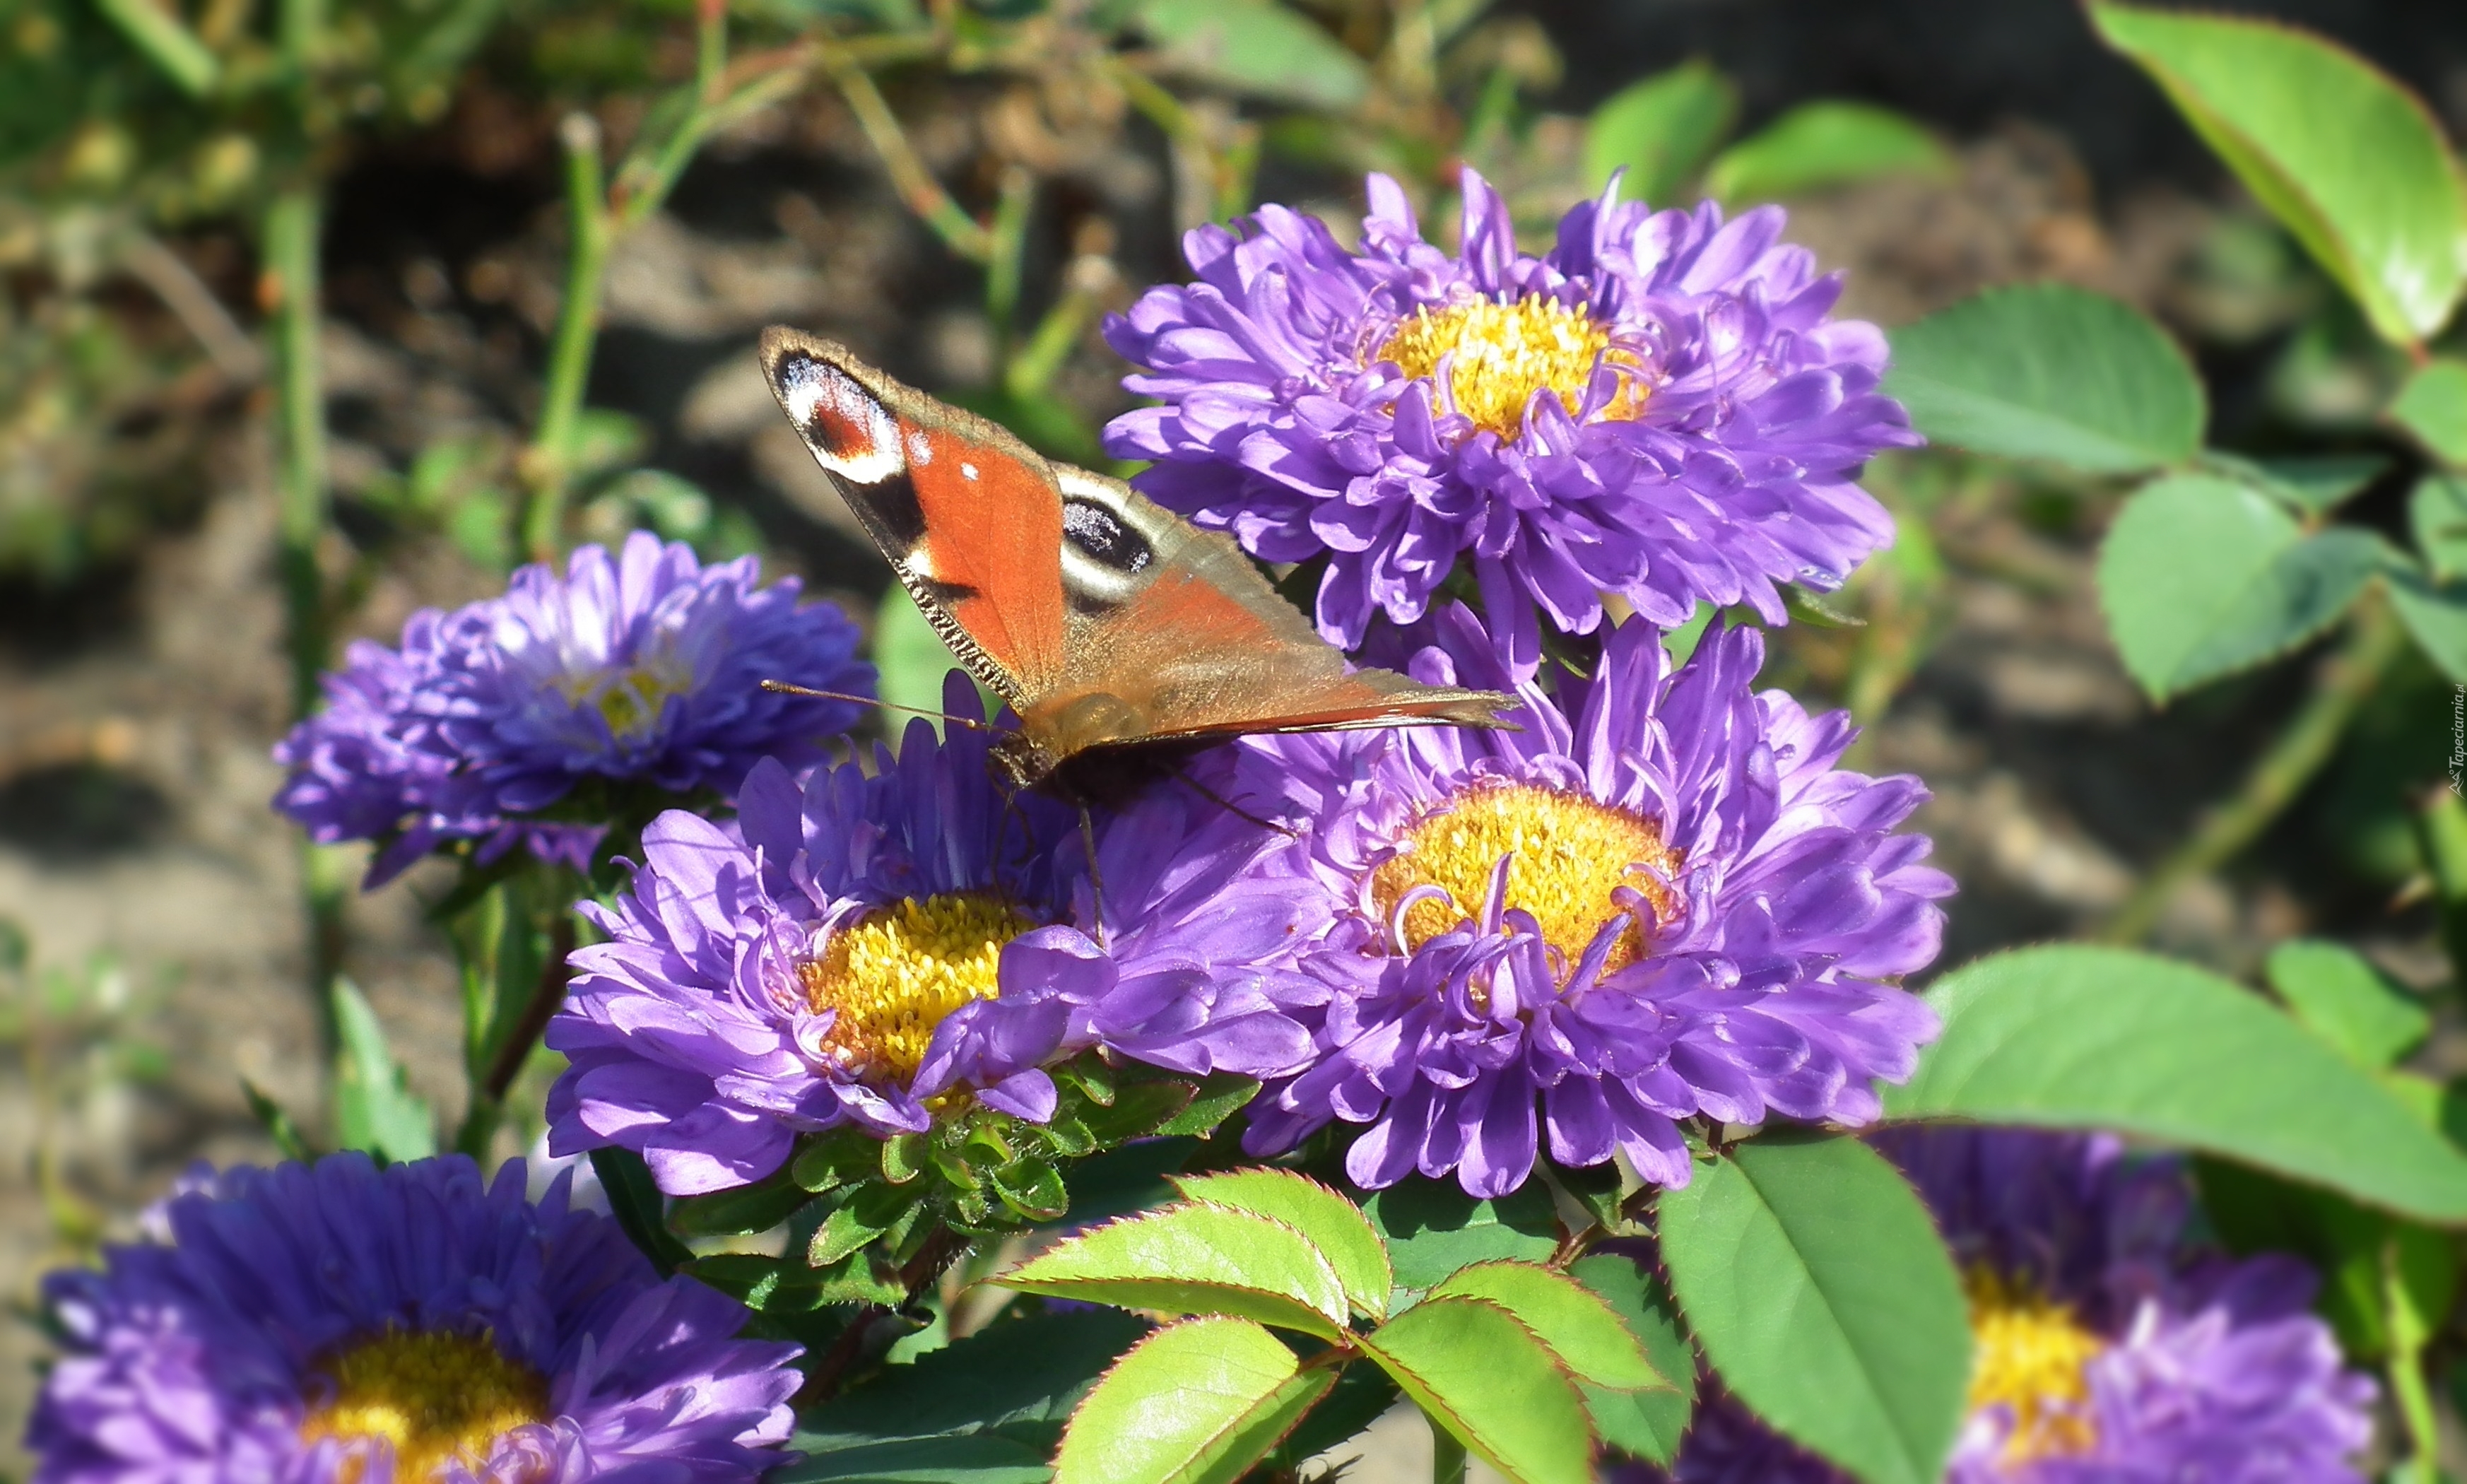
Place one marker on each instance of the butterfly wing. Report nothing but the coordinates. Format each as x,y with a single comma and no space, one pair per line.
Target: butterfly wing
970,517
1103,617
1176,623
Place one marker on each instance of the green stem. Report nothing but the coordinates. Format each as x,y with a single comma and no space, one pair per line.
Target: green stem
915,184
2441,836
2408,1386
1447,1455
291,261
547,465
2374,641
1007,243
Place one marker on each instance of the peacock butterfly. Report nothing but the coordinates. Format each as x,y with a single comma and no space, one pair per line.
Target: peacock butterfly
1112,626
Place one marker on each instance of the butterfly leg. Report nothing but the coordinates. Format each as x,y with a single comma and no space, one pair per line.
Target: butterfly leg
1232,808
1096,877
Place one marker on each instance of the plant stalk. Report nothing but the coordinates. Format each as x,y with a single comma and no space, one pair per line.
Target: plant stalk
548,464
2345,680
915,184
1447,1455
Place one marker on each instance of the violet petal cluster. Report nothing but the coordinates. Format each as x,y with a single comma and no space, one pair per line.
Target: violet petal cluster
1659,407
643,668
1738,962
697,1034
207,1354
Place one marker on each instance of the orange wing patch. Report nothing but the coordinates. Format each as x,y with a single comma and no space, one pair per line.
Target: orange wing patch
991,545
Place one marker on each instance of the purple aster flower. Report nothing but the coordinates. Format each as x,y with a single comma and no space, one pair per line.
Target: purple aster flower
643,669
339,1324
1660,900
2109,1349
1659,407
854,951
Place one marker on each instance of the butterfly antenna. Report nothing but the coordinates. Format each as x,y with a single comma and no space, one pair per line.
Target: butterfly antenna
784,687
1232,808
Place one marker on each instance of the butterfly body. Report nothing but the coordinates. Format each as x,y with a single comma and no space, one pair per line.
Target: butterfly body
1110,625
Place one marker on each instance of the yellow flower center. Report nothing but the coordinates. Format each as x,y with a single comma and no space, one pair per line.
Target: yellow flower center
896,974
1504,353
2027,1354
433,1397
1571,854
629,700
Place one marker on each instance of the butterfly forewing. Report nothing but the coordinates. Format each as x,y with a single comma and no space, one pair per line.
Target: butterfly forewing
1104,619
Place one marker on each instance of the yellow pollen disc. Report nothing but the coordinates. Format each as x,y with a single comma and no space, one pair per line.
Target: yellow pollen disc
2027,1354
1571,854
630,700
434,1397
1506,352
893,976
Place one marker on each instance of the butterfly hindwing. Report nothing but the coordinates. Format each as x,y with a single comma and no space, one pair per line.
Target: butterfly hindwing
970,517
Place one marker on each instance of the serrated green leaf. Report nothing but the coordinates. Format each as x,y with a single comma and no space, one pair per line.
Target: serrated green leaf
2337,994
2346,159
1647,1424
1255,46
1480,1373
1578,1327
2049,371
1136,1111
1822,143
374,1109
2436,514
1328,1220
834,1158
2201,578
846,1229
1432,1228
1660,130
1196,1403
2076,1037
1196,1259
1816,1283
2435,617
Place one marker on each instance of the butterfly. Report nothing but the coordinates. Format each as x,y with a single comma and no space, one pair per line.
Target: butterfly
1113,627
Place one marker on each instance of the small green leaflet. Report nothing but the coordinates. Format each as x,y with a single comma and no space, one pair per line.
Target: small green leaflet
1196,1259
1196,1403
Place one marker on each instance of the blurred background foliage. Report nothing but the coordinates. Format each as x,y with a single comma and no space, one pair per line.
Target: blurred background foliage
315,311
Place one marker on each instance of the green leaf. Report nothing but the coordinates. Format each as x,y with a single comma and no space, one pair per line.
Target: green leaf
2201,576
2346,159
2432,406
2436,511
742,1211
638,1207
1258,47
1584,1332
1221,1095
373,1106
1361,1396
1480,1374
1822,143
2311,486
2049,371
1196,1403
2353,1248
1815,1281
157,31
1328,1220
1660,130
971,1459
277,1123
2435,615
1020,1378
2076,1037
1130,1179
1196,1259
1645,1424
2337,994
1432,1228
